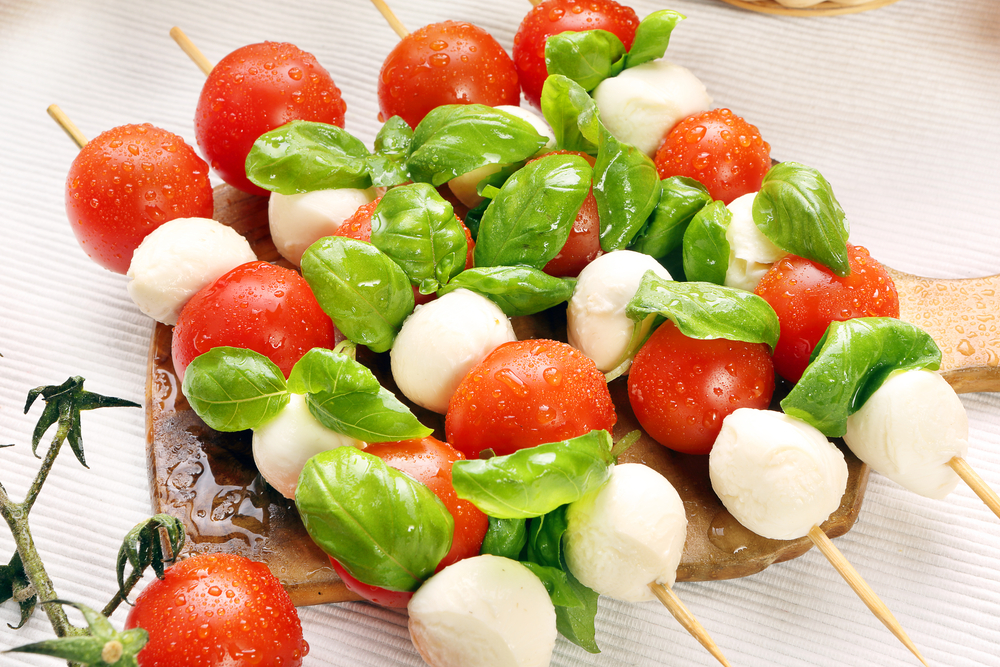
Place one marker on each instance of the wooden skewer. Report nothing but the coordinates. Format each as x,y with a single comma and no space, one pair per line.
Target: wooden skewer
192,51
666,595
68,126
861,587
976,483
391,19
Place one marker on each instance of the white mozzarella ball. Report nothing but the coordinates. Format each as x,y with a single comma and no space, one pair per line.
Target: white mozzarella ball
643,103
282,446
179,258
751,253
464,186
627,534
485,611
297,221
596,323
441,341
777,475
909,429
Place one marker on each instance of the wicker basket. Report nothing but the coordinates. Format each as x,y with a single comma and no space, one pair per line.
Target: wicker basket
828,8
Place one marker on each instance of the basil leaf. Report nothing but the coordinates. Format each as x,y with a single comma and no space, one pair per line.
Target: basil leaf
302,156
545,537
454,139
364,292
233,389
627,189
680,200
475,216
851,361
706,248
586,57
505,537
556,583
530,219
578,623
706,311
387,167
796,210
652,37
517,290
346,397
385,528
535,480
416,228
572,114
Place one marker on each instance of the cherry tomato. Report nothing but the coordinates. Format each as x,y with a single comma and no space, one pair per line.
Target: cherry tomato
445,63
128,181
258,306
215,610
807,297
527,393
682,388
554,16
720,150
428,461
254,90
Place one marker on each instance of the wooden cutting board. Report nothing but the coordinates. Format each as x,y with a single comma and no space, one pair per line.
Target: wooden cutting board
208,480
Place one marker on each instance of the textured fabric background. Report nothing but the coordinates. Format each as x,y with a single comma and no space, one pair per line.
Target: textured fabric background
899,108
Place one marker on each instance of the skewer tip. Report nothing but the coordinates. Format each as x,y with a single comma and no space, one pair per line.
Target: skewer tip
68,126
679,610
394,23
192,51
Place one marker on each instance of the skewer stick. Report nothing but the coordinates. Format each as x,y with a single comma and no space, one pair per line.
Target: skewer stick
976,483
666,595
861,587
68,126
192,51
391,19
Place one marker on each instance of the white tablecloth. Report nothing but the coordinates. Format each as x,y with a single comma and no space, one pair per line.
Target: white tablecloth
899,108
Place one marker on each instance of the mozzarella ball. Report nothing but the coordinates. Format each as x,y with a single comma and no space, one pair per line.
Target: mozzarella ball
777,475
642,104
485,611
298,221
751,253
464,187
627,534
441,340
908,431
178,259
282,446
596,323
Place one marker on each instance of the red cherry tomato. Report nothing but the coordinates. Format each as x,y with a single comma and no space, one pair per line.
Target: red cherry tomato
720,150
682,388
258,306
254,90
445,63
128,181
807,297
554,16
380,596
214,610
527,393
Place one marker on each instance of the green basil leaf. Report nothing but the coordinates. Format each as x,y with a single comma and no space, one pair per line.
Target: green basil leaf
578,623
364,292
517,290
454,139
652,37
545,535
572,114
302,156
680,200
535,480
321,370
851,361
475,216
530,219
233,389
556,583
705,246
387,167
795,209
416,228
706,311
586,57
505,537
627,189
383,526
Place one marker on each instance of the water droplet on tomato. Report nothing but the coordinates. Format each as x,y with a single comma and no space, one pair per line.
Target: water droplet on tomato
133,149
552,376
545,414
295,74
439,45
555,14
439,59
512,381
710,419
